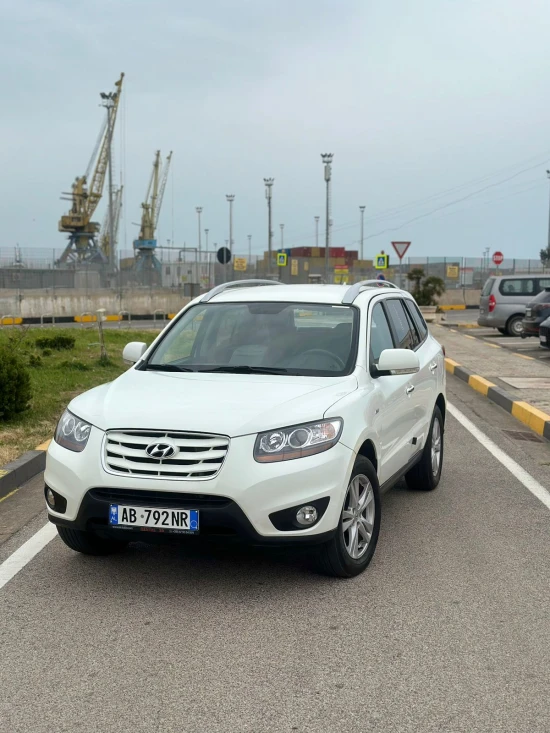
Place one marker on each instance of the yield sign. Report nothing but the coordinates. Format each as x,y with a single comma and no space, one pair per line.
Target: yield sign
401,248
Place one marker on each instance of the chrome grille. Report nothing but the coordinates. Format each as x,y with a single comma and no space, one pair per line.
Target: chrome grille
198,456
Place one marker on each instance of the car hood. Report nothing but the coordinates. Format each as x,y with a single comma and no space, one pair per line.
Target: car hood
230,404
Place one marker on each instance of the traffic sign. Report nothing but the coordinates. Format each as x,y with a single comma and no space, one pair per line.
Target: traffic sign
239,264
400,248
498,258
382,261
380,277
293,266
223,255
281,259
453,271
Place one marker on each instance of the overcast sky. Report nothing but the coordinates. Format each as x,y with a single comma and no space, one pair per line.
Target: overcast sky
413,99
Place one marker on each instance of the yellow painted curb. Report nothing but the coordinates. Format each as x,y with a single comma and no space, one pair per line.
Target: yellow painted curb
480,384
452,307
85,319
530,416
524,356
113,318
450,365
44,446
5,321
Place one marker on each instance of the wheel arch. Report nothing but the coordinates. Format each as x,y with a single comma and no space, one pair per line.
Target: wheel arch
440,402
368,450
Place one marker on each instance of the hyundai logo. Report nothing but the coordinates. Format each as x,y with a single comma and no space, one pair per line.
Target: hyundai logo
161,450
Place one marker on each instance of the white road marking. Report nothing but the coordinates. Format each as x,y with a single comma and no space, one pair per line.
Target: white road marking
17,560
515,469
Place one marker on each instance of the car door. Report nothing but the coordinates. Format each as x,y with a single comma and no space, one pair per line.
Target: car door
390,410
428,379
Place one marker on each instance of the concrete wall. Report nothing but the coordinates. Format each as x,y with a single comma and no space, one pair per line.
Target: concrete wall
36,303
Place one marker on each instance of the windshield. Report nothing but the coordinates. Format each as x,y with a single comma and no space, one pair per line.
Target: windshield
269,338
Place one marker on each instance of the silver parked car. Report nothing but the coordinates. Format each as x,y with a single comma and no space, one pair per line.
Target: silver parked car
505,298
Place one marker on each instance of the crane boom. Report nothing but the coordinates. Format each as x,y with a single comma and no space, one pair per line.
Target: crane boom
163,181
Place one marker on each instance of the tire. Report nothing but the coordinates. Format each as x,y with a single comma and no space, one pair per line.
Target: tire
514,326
334,557
89,543
422,476
503,331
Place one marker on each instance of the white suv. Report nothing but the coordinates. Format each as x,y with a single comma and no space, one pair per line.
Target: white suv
274,413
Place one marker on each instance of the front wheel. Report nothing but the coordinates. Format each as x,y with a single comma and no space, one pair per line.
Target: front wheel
89,543
425,475
351,549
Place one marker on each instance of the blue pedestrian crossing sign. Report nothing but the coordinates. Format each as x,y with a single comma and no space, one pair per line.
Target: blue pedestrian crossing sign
382,261
281,259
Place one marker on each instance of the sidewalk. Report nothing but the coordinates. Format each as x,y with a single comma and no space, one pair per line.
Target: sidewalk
514,381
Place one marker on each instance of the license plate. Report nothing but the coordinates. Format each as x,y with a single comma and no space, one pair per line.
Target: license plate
544,339
151,519
528,312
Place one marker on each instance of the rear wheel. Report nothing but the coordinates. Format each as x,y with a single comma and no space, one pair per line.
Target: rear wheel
514,327
427,472
351,549
89,543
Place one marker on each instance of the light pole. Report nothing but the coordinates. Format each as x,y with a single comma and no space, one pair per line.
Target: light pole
249,247
198,209
109,102
206,241
282,236
362,210
207,255
230,197
548,175
317,231
268,194
327,160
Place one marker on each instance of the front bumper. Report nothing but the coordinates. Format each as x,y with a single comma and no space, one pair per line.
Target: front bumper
237,502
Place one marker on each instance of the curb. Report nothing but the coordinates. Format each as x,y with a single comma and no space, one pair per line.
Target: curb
531,416
84,318
456,307
17,472
459,325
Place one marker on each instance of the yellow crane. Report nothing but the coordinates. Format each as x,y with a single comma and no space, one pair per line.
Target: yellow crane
86,192
146,243
104,237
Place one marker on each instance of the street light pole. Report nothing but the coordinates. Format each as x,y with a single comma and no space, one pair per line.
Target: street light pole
548,174
317,231
230,197
249,247
362,210
282,236
198,209
327,160
206,241
268,194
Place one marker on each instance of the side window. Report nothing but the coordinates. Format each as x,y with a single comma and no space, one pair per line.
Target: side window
488,286
418,320
179,348
380,333
412,328
543,284
519,286
398,319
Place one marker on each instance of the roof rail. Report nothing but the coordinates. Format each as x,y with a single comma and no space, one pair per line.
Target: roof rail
236,284
353,291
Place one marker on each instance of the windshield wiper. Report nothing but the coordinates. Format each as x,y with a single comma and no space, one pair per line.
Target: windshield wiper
167,368
245,369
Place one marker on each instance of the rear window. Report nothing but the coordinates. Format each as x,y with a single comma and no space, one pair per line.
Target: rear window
544,283
519,286
488,286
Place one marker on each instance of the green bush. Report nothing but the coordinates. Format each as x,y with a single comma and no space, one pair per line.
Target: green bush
46,352
15,384
35,360
426,290
58,342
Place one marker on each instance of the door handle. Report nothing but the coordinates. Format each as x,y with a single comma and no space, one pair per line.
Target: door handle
410,388
433,366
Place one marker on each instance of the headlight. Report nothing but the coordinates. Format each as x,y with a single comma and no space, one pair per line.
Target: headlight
72,433
297,442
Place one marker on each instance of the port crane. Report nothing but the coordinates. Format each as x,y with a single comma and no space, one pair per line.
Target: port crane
104,237
86,193
146,243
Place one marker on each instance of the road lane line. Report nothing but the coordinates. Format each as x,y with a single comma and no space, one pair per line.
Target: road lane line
8,495
18,559
515,469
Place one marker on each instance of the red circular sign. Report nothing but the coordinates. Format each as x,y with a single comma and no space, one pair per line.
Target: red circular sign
498,258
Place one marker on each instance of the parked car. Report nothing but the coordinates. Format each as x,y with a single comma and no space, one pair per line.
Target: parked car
504,300
544,333
277,414
537,311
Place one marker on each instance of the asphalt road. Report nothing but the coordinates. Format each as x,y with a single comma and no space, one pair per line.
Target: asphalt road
528,346
448,630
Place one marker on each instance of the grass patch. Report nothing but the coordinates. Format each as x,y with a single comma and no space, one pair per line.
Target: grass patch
59,375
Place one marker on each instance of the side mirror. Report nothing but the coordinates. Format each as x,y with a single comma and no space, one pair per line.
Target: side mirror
133,352
398,361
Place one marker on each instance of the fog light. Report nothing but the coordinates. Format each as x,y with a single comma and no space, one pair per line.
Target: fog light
306,515
50,498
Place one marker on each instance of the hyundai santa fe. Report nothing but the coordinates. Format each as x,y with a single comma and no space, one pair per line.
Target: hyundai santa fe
273,413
